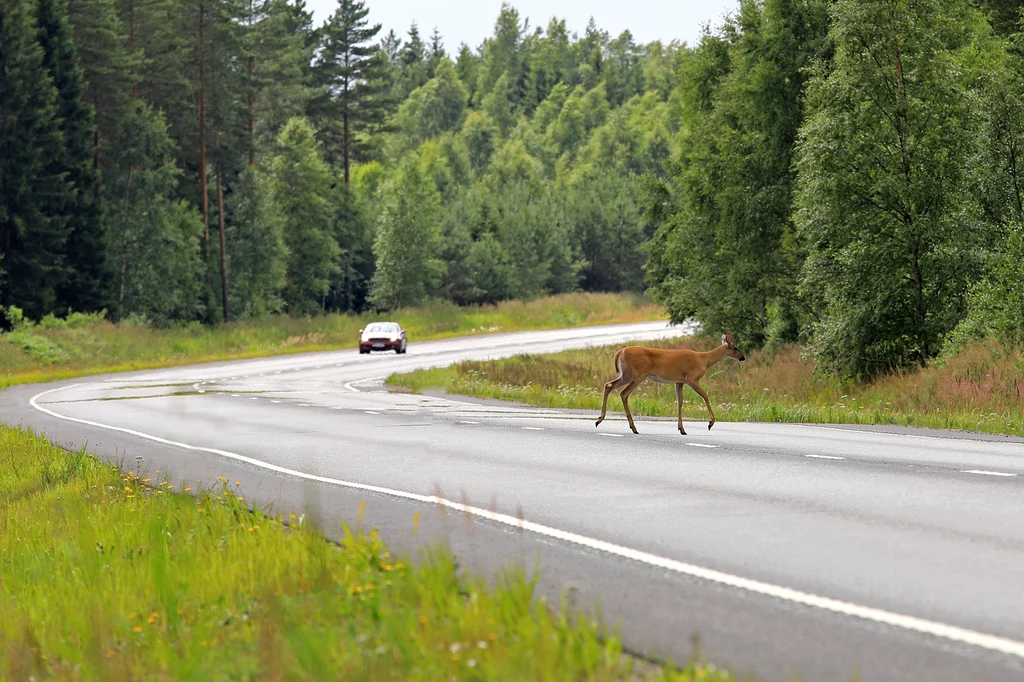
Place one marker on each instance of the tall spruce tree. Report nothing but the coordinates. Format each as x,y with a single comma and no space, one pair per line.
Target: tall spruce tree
87,287
33,189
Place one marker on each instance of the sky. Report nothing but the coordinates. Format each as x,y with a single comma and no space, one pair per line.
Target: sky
471,21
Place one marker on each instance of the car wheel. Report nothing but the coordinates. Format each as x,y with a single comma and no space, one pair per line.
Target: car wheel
405,347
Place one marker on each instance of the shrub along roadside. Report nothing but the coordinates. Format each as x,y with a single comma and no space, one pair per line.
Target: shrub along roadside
111,576
981,388
83,344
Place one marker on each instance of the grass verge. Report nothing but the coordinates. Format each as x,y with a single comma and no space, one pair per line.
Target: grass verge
110,576
61,349
980,389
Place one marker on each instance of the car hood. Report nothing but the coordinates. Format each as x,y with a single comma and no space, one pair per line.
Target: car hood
391,336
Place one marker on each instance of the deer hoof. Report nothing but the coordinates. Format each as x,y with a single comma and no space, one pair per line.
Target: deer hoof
597,423
710,425
635,431
682,432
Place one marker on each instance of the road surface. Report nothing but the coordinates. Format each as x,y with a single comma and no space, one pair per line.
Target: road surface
788,551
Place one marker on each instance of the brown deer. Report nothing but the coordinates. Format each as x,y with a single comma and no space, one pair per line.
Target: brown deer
636,363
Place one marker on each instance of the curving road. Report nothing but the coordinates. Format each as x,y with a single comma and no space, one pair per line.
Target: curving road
819,553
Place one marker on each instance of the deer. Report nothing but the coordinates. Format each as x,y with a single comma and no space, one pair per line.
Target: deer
637,363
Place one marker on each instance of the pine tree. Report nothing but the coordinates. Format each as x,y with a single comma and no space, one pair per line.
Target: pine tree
87,287
32,184
352,97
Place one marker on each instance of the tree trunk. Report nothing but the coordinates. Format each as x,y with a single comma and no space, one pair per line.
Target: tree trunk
223,253
252,103
344,147
204,201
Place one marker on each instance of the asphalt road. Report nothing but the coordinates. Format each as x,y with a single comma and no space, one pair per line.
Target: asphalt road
788,551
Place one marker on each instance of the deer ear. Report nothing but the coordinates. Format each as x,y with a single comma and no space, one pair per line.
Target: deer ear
728,339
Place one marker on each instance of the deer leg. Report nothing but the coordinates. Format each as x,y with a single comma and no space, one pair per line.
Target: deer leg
700,391
679,404
625,401
615,383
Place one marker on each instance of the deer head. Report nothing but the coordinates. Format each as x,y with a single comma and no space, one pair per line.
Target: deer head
731,350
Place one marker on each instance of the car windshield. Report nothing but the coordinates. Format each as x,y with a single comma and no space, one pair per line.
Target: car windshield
382,327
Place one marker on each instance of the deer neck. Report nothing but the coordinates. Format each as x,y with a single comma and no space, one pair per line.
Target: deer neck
713,357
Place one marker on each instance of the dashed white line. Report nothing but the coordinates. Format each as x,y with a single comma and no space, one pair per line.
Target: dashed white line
532,428
371,412
823,457
234,395
276,402
982,472
253,398
951,632
702,445
468,422
611,435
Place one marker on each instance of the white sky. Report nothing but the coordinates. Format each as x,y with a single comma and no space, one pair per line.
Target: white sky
471,21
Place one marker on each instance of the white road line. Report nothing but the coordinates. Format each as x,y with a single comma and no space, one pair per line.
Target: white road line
982,472
352,384
823,457
234,395
276,402
532,428
253,398
465,422
920,625
611,435
702,445
277,372
371,412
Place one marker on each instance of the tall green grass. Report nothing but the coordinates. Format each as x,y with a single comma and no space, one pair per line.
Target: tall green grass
979,389
114,576
57,349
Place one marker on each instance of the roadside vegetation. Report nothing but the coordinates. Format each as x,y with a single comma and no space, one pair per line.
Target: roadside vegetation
981,388
110,575
88,344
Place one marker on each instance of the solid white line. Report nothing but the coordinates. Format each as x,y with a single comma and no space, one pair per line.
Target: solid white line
921,625
981,472
611,435
823,457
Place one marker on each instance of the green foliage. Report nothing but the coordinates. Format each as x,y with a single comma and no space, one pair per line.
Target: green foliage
722,252
300,184
888,207
33,224
154,238
257,255
408,243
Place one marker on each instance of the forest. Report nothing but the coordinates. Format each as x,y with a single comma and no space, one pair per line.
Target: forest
837,173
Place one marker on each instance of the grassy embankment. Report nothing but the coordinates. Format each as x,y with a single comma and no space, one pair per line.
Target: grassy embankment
59,349
110,576
980,389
